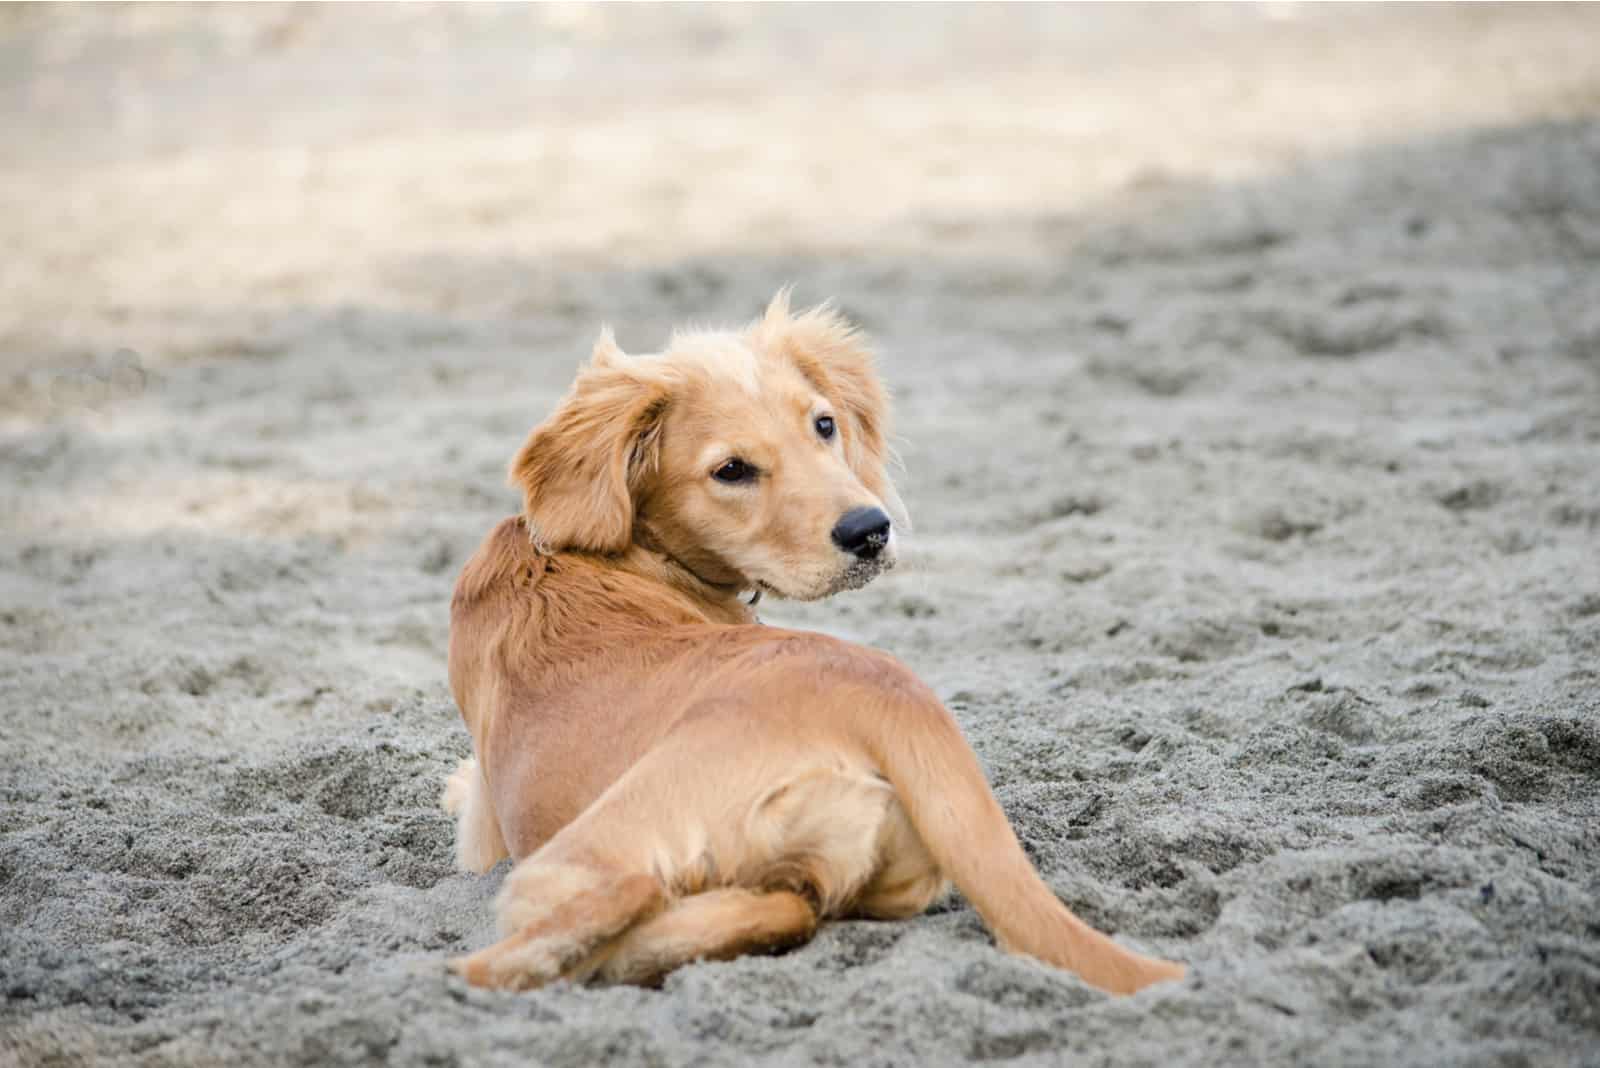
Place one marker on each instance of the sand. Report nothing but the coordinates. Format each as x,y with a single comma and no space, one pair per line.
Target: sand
1248,377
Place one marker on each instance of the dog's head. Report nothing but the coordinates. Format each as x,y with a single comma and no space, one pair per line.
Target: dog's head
753,459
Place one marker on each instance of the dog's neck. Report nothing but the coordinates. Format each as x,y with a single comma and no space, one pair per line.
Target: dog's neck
719,603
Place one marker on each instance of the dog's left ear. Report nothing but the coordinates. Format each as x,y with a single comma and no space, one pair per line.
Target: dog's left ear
830,351
579,469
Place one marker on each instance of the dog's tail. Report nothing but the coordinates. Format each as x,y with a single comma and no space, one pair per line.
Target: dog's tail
937,778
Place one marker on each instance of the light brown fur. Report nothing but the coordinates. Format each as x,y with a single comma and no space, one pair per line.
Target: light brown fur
676,781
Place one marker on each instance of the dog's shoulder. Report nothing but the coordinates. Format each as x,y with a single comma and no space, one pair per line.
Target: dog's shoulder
505,559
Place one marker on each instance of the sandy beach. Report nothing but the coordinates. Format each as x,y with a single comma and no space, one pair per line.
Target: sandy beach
1247,371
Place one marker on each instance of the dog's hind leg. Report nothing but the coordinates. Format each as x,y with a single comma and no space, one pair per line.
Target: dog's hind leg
714,925
588,908
909,879
479,845
596,879
663,830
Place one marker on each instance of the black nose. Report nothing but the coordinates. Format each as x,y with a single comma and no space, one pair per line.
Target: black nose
862,531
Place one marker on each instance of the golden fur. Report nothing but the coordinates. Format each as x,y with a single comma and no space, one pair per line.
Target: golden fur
676,781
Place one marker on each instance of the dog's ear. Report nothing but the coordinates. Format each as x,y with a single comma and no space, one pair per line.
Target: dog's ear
831,353
579,469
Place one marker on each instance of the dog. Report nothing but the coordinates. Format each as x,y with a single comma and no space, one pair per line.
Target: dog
676,781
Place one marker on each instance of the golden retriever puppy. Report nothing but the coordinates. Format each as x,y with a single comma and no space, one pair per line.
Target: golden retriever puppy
676,781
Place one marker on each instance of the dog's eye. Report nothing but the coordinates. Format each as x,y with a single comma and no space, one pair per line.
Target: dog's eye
825,426
734,470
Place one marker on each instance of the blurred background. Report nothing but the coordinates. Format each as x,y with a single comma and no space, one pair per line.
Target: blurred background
280,272
1247,365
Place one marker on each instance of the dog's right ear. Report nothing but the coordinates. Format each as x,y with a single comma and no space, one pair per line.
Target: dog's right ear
579,468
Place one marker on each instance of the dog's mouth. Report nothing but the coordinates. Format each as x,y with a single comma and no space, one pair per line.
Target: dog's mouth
861,572
856,574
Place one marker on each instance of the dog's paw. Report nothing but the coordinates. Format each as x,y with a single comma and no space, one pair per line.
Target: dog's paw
509,966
